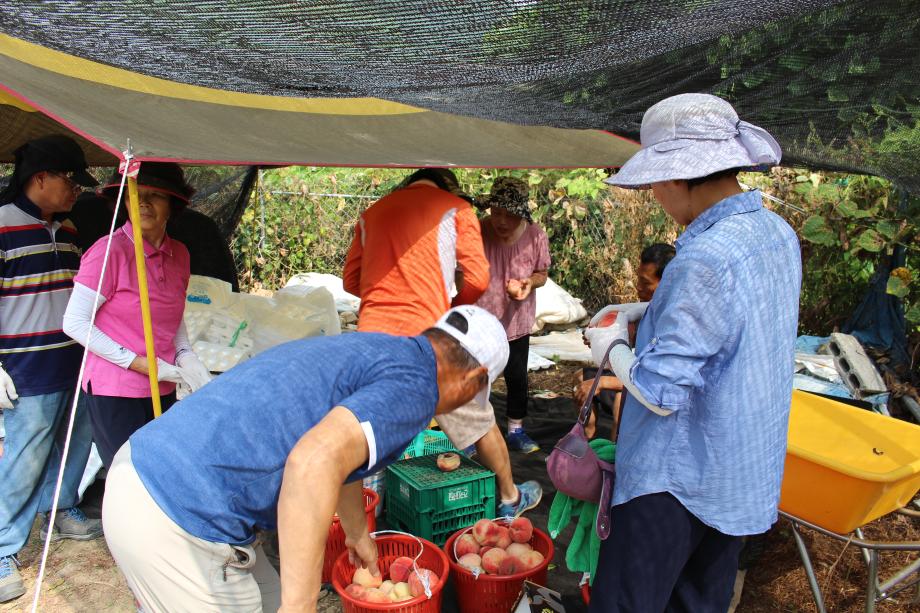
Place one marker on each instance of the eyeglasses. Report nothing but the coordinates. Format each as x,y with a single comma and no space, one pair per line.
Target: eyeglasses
68,179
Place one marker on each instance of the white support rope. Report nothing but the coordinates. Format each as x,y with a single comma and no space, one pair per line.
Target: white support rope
76,396
774,199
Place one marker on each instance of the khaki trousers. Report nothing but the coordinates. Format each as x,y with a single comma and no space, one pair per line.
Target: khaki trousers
168,569
466,424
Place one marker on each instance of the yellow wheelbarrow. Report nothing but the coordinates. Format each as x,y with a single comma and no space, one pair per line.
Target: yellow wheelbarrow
846,467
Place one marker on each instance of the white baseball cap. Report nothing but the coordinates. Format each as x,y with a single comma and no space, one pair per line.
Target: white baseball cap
690,136
483,336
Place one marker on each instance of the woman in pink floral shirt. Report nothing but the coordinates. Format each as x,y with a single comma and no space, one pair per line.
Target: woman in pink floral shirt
518,254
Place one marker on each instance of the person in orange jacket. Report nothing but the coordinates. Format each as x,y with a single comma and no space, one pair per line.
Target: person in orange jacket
417,252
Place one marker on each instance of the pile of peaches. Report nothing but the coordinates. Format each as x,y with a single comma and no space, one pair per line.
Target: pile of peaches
494,549
404,583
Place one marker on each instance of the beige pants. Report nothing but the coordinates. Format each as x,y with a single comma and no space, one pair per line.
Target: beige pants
466,424
170,570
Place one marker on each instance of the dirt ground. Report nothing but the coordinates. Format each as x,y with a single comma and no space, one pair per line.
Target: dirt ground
81,577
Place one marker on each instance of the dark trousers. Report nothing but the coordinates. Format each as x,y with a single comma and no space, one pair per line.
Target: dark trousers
605,399
516,377
659,557
115,418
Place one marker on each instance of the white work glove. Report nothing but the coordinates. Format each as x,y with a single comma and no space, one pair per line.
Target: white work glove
633,310
168,372
601,338
7,390
195,373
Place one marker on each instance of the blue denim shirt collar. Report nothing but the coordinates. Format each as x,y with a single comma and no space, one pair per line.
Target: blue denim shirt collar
746,202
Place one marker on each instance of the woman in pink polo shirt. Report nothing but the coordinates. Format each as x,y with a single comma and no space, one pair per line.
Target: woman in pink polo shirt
116,382
518,254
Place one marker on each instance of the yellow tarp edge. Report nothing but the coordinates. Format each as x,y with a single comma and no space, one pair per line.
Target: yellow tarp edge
87,70
9,100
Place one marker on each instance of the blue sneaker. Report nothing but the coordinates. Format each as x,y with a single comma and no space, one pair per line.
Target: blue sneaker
519,441
11,586
530,494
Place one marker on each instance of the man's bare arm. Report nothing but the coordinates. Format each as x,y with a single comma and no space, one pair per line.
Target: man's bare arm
313,476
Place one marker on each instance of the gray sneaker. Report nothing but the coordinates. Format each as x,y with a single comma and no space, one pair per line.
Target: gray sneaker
72,524
11,586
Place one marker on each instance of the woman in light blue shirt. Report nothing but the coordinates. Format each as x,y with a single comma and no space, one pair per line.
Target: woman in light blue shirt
703,437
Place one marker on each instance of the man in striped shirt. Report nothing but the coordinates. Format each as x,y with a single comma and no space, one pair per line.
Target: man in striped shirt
38,260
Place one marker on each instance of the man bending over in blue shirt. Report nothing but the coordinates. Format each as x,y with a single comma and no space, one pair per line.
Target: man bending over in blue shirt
281,442
703,435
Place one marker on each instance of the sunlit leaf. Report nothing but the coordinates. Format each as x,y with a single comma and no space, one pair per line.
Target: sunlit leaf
888,229
815,230
897,287
870,240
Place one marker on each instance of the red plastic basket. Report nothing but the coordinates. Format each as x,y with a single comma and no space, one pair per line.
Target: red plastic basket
390,547
494,593
335,542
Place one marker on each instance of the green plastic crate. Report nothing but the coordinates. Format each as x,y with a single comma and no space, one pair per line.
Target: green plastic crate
428,442
426,502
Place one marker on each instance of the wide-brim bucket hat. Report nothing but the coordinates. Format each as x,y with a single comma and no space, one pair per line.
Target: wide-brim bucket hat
166,177
689,136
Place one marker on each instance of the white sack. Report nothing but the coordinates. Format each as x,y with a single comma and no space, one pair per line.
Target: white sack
557,306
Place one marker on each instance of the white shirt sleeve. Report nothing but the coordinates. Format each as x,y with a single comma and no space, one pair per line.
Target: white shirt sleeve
181,341
77,326
371,444
621,363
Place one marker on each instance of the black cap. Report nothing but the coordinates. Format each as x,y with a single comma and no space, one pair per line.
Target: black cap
56,153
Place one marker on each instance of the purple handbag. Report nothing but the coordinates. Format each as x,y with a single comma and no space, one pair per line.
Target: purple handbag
575,469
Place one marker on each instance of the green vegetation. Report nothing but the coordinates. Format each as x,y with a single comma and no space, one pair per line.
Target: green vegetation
596,233
850,223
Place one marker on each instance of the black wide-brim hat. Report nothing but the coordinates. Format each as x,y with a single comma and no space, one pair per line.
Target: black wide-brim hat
162,176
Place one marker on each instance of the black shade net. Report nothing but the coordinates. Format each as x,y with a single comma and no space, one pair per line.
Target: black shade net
835,82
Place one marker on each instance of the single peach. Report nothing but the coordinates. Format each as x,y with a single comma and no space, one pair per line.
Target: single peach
470,561
356,591
608,319
386,587
516,549
483,551
402,591
395,598
400,569
521,530
492,559
467,543
418,579
486,532
364,578
376,596
531,559
448,462
481,530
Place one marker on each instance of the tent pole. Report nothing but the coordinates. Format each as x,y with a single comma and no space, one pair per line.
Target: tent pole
140,260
